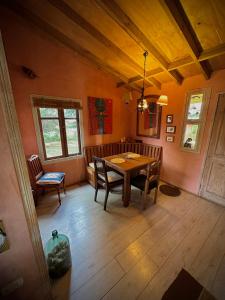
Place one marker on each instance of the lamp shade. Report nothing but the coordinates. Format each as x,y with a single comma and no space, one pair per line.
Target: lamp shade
163,100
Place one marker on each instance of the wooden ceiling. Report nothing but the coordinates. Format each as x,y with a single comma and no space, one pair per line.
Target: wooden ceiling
183,38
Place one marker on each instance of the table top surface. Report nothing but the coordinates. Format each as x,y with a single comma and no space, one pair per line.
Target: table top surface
130,163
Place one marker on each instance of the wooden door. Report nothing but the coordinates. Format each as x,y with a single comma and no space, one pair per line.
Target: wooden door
213,180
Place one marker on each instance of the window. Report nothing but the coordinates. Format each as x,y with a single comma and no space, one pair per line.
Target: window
194,119
59,128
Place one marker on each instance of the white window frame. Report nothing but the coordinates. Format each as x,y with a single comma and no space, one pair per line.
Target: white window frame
38,130
201,121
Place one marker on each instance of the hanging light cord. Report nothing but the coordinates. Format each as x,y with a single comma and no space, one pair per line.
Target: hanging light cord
143,88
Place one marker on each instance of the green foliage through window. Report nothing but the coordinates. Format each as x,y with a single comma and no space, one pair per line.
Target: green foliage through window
60,131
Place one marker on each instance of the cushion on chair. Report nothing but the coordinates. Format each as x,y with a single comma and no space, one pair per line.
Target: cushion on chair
112,176
139,182
91,164
51,178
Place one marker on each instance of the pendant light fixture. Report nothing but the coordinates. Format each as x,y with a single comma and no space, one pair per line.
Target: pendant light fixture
142,104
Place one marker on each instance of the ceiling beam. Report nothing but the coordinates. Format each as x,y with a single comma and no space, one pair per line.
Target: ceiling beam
205,54
138,77
114,10
63,39
176,13
80,21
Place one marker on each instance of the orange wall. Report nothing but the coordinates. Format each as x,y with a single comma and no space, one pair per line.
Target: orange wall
19,260
181,168
61,73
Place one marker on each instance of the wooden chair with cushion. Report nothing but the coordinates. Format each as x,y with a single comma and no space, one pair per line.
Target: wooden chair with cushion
41,180
148,182
104,178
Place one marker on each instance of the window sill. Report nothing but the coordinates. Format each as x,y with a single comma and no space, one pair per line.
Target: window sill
62,159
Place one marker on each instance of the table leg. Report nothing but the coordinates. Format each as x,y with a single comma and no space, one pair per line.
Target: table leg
126,189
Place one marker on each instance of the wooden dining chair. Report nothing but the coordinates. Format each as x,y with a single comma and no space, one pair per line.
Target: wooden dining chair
148,182
41,180
105,179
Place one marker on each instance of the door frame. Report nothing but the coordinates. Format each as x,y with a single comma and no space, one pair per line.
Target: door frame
15,141
200,192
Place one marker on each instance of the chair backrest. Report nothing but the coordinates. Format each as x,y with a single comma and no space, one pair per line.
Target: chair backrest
153,169
100,170
35,167
153,172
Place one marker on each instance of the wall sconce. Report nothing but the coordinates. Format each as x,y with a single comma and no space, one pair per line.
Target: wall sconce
28,72
127,97
163,100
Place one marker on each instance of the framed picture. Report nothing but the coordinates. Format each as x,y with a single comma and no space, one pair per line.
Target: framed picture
169,119
149,122
170,129
170,138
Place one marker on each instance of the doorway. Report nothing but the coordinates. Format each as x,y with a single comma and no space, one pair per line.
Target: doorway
213,180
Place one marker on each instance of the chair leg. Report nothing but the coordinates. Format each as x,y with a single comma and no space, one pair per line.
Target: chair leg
58,192
106,198
143,200
155,196
96,192
64,186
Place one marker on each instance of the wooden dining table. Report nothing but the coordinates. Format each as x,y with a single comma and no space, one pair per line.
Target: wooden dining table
129,166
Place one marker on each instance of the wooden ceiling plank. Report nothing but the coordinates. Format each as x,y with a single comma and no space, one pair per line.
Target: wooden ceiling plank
213,52
80,21
154,82
181,63
129,26
176,13
154,72
138,77
63,39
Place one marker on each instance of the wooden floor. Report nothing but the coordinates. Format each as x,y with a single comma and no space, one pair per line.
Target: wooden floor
126,253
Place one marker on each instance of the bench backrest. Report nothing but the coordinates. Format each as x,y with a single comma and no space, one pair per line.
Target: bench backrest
116,148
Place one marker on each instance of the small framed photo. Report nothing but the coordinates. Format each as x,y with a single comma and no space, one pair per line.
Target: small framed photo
170,138
169,119
170,129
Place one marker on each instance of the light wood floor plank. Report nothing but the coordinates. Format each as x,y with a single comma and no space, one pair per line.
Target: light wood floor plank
134,281
183,255
135,251
217,287
101,283
164,247
206,263
126,253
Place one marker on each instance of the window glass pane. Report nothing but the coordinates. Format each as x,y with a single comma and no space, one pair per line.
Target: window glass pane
195,107
72,136
190,136
70,113
52,139
49,112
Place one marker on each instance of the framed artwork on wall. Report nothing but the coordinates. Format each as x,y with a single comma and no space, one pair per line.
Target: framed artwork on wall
100,115
170,138
170,129
169,119
149,122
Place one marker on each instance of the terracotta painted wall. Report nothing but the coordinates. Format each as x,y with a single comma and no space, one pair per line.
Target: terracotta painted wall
181,168
19,260
61,73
